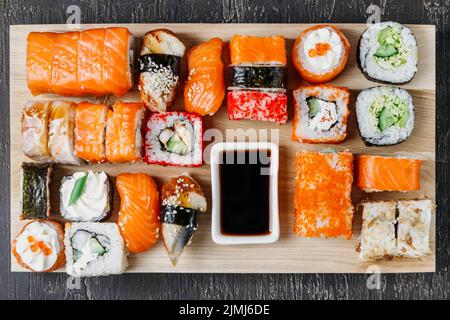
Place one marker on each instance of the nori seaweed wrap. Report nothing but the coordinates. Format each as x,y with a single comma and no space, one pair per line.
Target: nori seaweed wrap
152,61
35,194
259,77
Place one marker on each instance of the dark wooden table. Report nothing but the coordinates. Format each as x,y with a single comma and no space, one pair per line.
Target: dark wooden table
231,286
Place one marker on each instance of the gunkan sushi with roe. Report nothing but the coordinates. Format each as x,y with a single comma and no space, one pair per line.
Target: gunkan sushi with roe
385,115
388,53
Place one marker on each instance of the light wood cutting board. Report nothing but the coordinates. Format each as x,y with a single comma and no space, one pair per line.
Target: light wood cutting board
290,254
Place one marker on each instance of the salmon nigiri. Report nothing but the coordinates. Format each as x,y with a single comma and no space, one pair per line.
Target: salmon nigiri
123,132
90,125
205,88
377,173
139,211
250,50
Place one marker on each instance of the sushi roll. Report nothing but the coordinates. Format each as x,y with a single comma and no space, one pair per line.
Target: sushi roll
159,67
139,211
258,86
395,229
323,207
35,118
39,247
205,87
76,63
174,138
61,133
123,132
320,114
257,105
182,201
35,190
94,249
385,115
320,53
387,53
86,196
377,173
90,130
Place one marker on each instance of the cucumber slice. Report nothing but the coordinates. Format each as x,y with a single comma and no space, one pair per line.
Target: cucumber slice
386,119
96,246
176,145
76,254
385,51
314,107
383,34
402,120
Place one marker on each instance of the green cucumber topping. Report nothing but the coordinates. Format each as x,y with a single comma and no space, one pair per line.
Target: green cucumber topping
390,111
391,52
96,246
314,107
78,189
176,145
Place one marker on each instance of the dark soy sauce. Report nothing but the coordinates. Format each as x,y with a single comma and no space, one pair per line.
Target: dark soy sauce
245,206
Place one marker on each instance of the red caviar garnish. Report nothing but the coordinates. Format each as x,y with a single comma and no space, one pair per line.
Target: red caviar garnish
320,50
31,239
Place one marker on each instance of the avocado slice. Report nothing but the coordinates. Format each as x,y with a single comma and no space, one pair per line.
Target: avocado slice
401,123
386,119
385,51
314,107
176,145
96,246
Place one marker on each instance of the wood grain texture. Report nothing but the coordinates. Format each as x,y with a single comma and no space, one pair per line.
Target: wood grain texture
214,286
290,254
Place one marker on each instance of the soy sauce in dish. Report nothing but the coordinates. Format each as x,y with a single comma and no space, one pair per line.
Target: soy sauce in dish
244,189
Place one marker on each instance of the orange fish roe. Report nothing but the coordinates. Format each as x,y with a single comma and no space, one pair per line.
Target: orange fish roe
30,239
323,207
321,49
39,245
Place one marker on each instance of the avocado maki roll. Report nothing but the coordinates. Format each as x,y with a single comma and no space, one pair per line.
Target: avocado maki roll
387,53
385,115
265,77
86,196
35,194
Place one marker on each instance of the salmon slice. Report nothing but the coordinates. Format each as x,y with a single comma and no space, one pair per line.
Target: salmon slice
139,211
377,173
117,77
65,64
39,61
205,87
90,126
90,61
123,132
257,50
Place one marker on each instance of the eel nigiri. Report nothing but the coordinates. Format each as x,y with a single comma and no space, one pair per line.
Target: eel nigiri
377,173
35,117
61,132
123,132
159,67
139,211
182,202
205,88
76,63
90,126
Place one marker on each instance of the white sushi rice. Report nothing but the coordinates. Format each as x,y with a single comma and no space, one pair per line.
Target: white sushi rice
304,128
153,149
114,261
368,123
368,46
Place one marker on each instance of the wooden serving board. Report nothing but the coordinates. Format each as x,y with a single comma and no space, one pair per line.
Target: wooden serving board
290,254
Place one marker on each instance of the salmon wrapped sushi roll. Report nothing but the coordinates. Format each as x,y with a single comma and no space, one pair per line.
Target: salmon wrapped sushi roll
320,53
323,207
182,202
139,211
377,173
205,87
159,67
123,132
39,246
90,131
174,138
78,63
35,118
251,50
320,114
61,133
